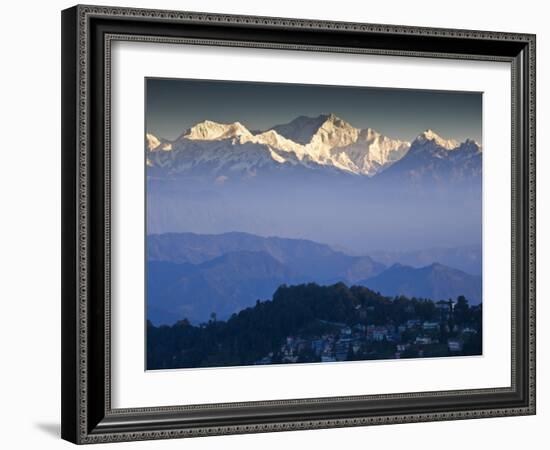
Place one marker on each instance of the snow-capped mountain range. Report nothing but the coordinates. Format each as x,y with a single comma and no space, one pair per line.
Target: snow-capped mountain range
323,142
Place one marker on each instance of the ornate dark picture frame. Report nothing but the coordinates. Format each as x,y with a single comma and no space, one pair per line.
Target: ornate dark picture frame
87,34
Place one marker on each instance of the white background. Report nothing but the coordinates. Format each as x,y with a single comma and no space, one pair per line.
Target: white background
132,387
30,226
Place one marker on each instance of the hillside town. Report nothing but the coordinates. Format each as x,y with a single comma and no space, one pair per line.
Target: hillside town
413,338
309,323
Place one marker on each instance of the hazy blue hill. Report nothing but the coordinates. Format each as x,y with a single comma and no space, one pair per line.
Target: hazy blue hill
465,258
435,282
192,275
305,258
223,285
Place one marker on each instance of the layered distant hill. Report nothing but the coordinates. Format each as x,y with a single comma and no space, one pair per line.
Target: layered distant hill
467,258
192,276
303,257
223,285
435,282
323,144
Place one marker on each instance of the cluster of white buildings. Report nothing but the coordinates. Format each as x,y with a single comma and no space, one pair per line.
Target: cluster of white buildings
347,342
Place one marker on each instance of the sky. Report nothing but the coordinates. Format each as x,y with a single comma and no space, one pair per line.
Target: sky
173,105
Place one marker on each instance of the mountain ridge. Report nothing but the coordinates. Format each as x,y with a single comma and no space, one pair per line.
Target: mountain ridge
192,275
303,256
434,281
322,142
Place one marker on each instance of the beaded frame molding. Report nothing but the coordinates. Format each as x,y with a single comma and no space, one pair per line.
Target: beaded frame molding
87,35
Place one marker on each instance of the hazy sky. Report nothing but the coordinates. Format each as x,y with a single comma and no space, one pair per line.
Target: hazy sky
173,105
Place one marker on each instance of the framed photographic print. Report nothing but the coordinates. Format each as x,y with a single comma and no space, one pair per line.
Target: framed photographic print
282,224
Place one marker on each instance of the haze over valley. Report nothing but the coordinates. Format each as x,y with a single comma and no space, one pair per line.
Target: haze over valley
317,178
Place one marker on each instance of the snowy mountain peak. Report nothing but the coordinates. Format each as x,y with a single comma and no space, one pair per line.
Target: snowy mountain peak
334,119
370,134
308,143
371,152
153,143
214,131
274,140
302,129
333,132
470,146
430,135
472,142
334,122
